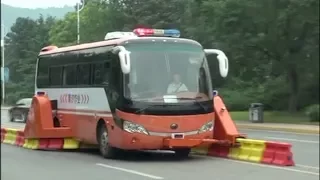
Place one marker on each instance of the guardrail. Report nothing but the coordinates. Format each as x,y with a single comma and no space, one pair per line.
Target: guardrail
4,113
5,107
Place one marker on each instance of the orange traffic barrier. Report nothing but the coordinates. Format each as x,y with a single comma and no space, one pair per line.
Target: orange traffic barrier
43,143
51,143
56,143
268,154
218,150
278,153
40,121
20,138
283,155
3,133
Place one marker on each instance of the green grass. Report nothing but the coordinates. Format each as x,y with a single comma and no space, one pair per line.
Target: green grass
275,117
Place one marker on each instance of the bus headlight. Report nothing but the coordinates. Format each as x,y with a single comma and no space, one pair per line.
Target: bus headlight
134,128
206,127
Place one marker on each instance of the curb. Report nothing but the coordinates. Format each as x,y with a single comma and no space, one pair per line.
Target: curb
283,129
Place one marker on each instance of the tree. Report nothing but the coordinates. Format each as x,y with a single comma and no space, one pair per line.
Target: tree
23,44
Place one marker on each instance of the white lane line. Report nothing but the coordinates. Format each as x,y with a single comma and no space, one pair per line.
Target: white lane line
267,166
307,167
275,167
293,140
130,171
279,132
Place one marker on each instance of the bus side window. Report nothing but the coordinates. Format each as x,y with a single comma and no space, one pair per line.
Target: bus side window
43,73
98,73
55,76
83,74
69,75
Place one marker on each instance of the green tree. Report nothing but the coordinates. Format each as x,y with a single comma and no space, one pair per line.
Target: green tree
23,44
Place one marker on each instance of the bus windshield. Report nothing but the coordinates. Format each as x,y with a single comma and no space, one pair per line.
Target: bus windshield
167,70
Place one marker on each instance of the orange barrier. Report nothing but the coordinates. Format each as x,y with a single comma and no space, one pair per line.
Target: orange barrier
218,150
20,139
258,151
51,143
278,153
40,121
3,133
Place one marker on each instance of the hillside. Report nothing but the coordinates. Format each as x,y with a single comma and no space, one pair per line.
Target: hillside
9,14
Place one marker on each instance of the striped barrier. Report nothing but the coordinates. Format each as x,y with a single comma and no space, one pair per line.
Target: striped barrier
258,151
251,150
16,137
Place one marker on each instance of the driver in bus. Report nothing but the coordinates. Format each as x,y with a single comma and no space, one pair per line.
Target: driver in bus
176,85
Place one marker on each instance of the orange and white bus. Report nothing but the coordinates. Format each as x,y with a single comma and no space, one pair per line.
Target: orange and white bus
141,90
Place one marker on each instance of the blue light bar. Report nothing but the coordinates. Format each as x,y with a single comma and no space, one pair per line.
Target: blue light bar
172,32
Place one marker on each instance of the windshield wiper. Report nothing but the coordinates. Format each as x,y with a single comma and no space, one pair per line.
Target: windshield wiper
143,109
194,100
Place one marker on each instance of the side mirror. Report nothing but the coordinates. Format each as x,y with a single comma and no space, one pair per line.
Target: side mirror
124,56
215,93
223,61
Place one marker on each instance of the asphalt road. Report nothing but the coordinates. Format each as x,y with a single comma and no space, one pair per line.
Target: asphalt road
18,163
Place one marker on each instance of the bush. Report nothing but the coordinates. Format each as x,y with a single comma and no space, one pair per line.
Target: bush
313,112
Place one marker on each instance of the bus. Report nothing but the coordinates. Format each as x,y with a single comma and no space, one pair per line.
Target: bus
143,90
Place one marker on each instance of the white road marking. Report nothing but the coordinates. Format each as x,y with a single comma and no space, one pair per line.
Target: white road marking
293,140
280,132
275,167
307,167
130,171
268,166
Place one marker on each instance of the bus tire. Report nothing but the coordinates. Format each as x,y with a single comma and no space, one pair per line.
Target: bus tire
182,153
106,150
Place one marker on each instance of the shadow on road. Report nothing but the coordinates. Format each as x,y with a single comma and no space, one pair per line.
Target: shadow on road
143,156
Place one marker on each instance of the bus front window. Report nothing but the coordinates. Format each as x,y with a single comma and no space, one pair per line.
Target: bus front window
164,68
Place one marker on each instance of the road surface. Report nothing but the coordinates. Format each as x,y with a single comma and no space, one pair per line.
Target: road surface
18,163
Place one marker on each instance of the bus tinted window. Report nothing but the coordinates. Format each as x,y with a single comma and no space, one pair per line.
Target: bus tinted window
55,76
43,74
69,75
83,74
100,73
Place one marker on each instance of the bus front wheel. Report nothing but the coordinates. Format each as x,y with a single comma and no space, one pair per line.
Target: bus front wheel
105,149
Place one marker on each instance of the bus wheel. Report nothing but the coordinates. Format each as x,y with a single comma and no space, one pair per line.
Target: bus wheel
105,149
183,152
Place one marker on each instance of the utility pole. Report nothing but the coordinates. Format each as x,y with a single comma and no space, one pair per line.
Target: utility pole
78,19
2,63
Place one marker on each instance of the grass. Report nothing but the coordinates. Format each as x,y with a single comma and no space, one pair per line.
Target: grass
275,117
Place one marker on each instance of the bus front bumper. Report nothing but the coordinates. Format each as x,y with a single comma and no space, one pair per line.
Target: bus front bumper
180,143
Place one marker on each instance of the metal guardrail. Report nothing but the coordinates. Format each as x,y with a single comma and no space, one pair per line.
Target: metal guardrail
5,107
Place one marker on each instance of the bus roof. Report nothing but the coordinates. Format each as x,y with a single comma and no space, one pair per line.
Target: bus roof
106,43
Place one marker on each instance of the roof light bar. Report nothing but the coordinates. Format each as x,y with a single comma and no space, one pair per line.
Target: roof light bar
118,34
157,32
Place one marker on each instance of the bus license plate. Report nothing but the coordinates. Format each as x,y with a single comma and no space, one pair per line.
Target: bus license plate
177,136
